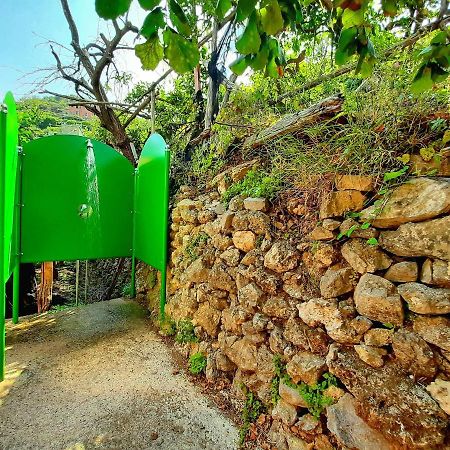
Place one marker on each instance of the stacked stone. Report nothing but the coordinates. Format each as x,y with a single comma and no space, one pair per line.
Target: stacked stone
381,323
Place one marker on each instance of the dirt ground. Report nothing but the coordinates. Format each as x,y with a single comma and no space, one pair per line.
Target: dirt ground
98,377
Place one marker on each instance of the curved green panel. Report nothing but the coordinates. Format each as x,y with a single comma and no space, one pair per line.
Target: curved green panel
77,200
151,203
10,136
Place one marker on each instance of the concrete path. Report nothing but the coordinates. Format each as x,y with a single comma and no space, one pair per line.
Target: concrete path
97,376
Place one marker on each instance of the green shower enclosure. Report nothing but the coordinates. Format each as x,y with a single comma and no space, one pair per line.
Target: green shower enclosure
65,197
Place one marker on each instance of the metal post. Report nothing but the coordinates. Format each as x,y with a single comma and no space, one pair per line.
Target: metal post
77,280
133,250
3,118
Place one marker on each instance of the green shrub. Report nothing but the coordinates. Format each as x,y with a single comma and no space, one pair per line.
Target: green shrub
253,408
197,363
185,333
167,326
191,250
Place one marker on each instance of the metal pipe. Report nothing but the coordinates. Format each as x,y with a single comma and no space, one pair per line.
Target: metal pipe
133,250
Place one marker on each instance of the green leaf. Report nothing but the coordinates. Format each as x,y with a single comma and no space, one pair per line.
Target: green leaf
446,137
111,9
260,60
372,241
352,18
148,5
396,174
181,53
346,46
239,65
272,68
179,19
244,9
440,38
150,53
365,225
271,19
153,22
389,7
366,68
422,81
222,7
249,41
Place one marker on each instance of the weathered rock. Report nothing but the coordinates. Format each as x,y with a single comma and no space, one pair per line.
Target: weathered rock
306,367
321,234
416,200
371,355
293,285
260,322
221,242
362,183
208,318
413,354
377,299
339,327
363,257
258,222
223,363
282,257
434,330
422,299
243,353
197,272
331,224
266,369
182,304
256,204
277,342
306,338
322,443
244,240
390,402
378,337
440,391
226,221
436,272
285,412
336,204
307,426
206,215
325,255
429,238
250,295
219,278
277,307
295,443
403,272
268,282
291,395
337,282
236,203
231,256
350,430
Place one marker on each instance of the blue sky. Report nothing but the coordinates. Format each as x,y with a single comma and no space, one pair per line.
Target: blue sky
25,26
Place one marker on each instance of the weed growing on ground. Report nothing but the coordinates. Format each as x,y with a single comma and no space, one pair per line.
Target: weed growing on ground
253,408
167,326
56,308
197,363
256,183
127,290
185,332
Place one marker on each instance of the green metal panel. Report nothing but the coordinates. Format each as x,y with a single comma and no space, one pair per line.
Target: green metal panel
77,200
152,203
152,207
11,157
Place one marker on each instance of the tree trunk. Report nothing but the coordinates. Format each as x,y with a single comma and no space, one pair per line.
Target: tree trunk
213,86
45,289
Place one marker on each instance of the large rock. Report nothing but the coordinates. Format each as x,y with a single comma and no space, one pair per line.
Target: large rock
285,412
434,330
219,278
243,353
403,272
430,238
339,327
414,201
277,307
306,367
436,272
363,257
291,395
377,299
250,296
413,354
306,338
390,402
378,337
371,355
422,299
208,318
440,391
350,430
337,204
362,183
244,240
256,204
282,257
337,282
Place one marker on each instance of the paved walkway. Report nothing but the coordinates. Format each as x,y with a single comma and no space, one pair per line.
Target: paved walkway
98,377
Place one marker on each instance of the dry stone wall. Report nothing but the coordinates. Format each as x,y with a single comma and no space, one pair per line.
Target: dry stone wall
379,320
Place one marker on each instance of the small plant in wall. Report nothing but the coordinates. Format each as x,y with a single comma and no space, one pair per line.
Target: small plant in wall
185,332
253,408
167,326
197,363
